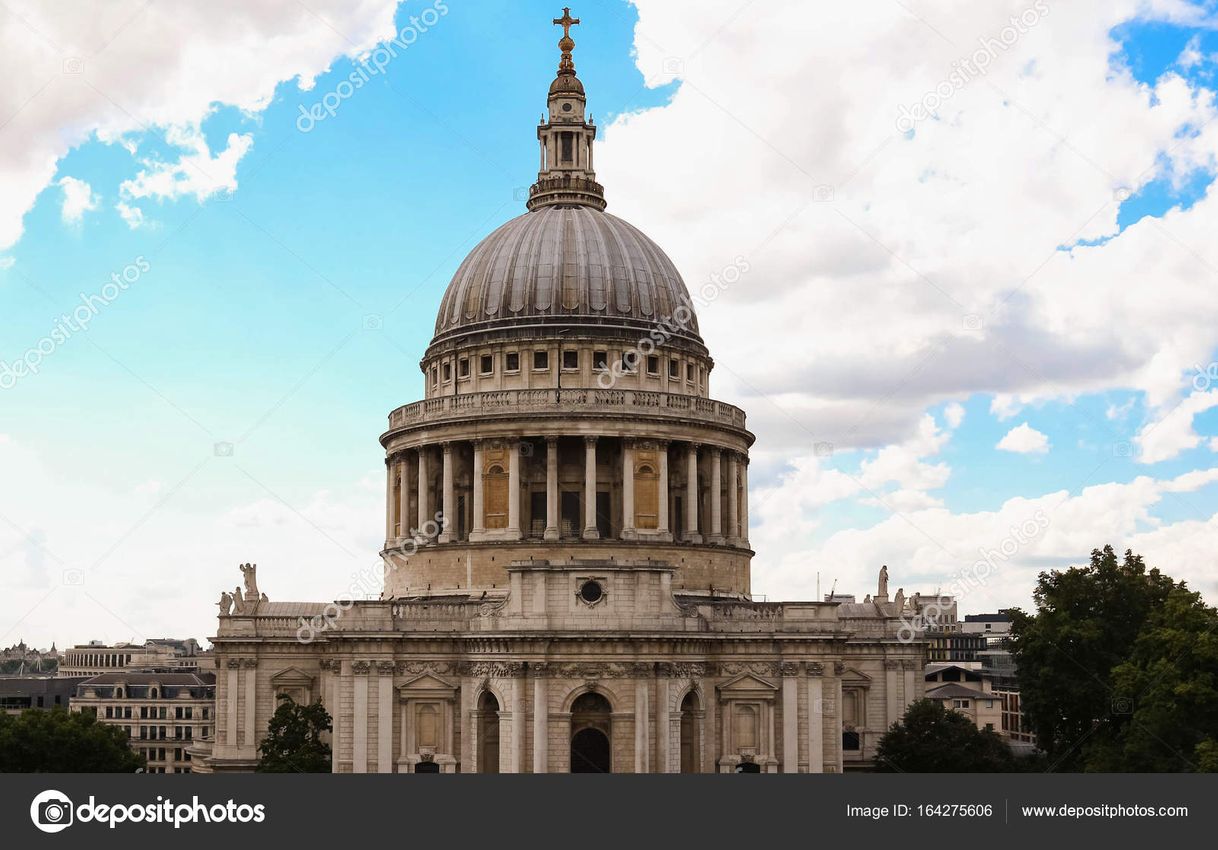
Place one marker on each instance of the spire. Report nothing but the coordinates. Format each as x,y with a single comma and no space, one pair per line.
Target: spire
565,177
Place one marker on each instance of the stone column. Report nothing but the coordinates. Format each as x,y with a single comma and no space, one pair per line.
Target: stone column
744,502
541,717
892,694
733,500
518,722
628,531
662,527
663,732
837,708
590,532
816,718
641,736
403,497
425,517
691,495
552,532
230,708
388,500
250,734
359,714
513,526
911,682
716,495
790,717
449,508
384,717
479,528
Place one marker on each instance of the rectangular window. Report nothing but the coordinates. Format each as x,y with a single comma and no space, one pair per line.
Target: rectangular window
566,147
653,365
600,360
463,367
570,359
512,363
630,362
448,372
486,364
435,376
689,371
674,369
541,360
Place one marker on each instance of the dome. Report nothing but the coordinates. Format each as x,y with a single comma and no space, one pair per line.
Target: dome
561,266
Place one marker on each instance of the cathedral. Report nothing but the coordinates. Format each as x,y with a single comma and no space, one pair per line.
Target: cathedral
566,558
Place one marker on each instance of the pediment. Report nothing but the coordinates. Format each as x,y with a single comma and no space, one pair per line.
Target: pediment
426,682
853,676
746,682
292,676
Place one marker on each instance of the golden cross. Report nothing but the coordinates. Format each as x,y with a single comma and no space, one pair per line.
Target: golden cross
566,22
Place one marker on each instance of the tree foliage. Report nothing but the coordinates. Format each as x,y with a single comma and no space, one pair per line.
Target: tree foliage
933,739
1118,669
293,743
59,741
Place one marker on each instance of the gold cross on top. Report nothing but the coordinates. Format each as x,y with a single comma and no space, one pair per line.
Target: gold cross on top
566,22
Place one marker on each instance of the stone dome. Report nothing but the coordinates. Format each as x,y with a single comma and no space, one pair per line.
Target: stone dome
567,266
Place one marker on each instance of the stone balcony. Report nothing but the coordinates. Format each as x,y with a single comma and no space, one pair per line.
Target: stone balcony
510,404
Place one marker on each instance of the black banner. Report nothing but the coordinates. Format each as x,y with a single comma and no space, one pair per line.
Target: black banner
550,811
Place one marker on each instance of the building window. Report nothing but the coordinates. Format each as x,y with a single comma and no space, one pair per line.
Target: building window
600,360
512,362
486,364
653,365
541,360
570,359
463,367
435,376
960,703
448,372
674,369
689,371
630,362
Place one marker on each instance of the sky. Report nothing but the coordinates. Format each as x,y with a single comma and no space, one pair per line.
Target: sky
975,335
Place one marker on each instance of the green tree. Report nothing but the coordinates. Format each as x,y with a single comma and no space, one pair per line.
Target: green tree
1165,694
933,739
293,743
1086,623
59,741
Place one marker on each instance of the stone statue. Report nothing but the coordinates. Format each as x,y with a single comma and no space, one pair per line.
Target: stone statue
226,604
264,598
900,600
238,601
883,590
867,599
250,572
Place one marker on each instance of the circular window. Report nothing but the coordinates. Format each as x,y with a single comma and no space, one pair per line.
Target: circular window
591,592
566,107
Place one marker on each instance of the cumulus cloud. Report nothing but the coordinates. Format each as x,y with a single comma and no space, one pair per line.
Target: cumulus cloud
1025,440
108,70
1172,431
78,199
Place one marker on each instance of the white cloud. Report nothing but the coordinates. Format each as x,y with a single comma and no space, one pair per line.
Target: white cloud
196,172
867,296
78,199
1172,432
1024,439
113,69
954,415
133,216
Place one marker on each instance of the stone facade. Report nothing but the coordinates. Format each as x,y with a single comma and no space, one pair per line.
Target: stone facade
566,580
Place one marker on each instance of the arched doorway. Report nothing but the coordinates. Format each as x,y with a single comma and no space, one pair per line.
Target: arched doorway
690,720
590,734
427,767
488,733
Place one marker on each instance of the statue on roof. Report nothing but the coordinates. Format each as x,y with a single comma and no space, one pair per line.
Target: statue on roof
250,572
883,588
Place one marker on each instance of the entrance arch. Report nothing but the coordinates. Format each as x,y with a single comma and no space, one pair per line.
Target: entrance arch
591,749
691,734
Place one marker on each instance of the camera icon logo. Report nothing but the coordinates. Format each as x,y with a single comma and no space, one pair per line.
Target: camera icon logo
73,577
52,811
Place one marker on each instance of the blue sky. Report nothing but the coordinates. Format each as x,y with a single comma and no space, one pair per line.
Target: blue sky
285,311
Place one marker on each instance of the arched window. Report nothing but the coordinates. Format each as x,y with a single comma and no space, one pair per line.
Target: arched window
495,497
488,733
690,734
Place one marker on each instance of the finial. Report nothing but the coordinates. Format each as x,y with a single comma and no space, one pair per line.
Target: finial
566,67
